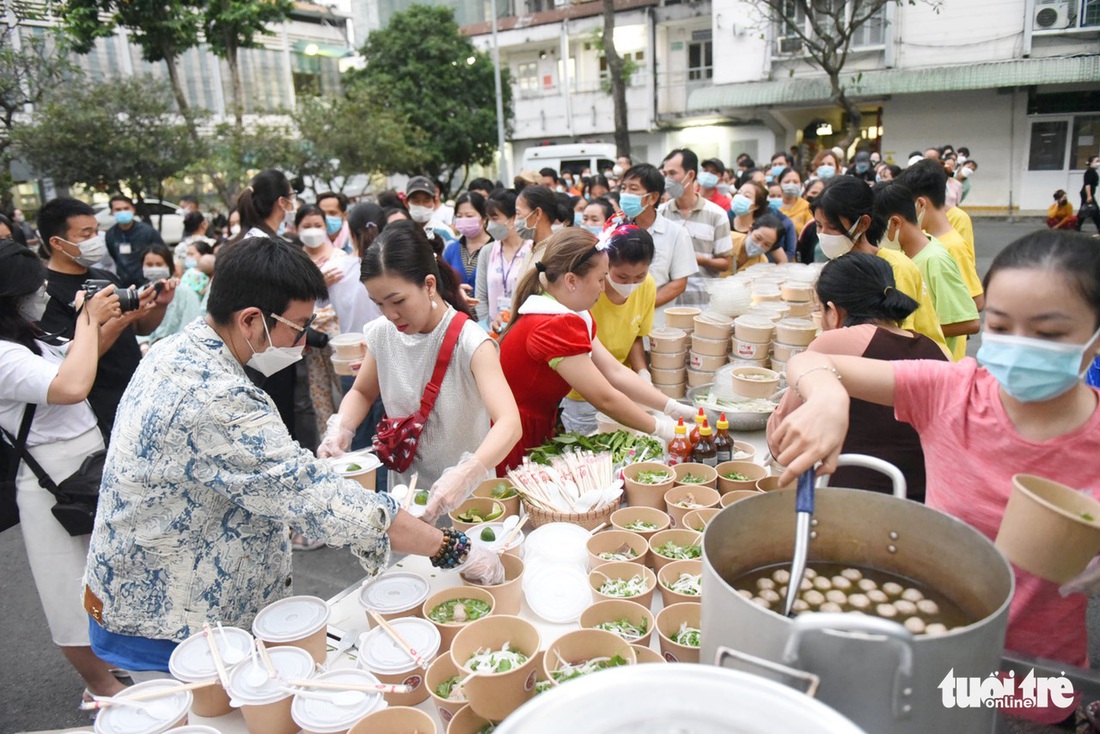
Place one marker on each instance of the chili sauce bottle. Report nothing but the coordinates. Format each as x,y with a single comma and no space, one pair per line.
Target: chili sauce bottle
699,420
679,449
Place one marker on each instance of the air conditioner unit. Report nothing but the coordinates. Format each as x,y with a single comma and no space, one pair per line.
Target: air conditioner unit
1053,15
790,45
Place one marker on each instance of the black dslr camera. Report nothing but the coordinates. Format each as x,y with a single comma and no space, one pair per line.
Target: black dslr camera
128,300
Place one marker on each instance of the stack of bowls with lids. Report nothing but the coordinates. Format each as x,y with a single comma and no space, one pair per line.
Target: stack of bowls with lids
668,350
298,621
710,343
752,338
347,349
265,702
792,335
193,661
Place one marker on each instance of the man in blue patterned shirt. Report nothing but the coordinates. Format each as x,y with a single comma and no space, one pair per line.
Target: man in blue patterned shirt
202,477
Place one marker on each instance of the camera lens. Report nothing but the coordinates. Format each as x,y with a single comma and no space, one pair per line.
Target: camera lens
127,300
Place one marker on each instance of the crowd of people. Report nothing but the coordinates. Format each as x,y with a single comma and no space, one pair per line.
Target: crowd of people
204,370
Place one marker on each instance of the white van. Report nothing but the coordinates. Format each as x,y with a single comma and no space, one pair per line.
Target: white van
575,158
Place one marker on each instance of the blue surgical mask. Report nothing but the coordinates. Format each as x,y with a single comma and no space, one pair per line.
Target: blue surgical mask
741,205
724,189
708,180
578,218
190,262
333,224
1033,370
791,189
776,170
631,204
595,229
124,217
775,203
825,172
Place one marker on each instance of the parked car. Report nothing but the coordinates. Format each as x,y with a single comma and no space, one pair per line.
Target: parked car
170,224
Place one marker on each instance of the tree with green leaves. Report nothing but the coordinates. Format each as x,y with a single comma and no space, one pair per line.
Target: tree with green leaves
110,136
422,67
30,65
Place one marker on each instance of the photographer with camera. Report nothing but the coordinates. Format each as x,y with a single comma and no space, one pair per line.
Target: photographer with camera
43,412
73,243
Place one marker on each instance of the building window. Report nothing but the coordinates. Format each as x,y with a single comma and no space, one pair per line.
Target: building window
870,35
1086,137
527,77
700,61
1048,145
1054,16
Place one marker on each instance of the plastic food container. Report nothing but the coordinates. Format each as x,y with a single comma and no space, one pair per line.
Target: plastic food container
349,346
757,330
192,662
298,621
796,332
668,361
320,716
393,595
381,656
266,707
715,347
765,292
681,317
346,367
132,720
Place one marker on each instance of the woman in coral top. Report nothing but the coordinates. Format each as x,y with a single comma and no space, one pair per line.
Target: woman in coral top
550,347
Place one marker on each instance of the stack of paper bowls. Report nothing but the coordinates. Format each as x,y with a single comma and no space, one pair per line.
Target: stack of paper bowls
710,345
752,338
792,335
668,354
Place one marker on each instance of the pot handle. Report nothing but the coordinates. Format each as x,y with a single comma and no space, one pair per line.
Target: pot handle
871,462
861,625
803,682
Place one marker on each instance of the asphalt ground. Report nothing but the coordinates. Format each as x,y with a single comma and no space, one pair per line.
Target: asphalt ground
38,689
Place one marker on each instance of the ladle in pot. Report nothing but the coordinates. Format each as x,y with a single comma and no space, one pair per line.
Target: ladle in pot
804,510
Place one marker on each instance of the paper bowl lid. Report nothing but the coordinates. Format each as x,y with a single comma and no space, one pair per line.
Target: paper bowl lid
394,592
192,661
379,653
560,540
349,338
500,532
291,619
291,663
324,717
132,720
558,593
195,729
365,460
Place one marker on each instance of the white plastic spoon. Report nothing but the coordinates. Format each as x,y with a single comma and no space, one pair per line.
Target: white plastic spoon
343,699
159,710
232,654
257,674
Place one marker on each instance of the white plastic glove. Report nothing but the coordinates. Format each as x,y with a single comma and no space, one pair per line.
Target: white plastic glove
454,487
666,429
644,374
1086,582
482,566
675,409
337,439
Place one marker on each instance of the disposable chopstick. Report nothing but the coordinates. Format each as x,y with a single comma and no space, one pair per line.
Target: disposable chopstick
598,528
515,531
266,658
412,491
147,695
216,654
409,650
365,687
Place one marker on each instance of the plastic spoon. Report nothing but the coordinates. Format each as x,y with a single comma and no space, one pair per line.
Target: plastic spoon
257,674
344,699
159,710
233,654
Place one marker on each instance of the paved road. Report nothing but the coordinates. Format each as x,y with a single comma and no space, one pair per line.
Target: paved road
38,690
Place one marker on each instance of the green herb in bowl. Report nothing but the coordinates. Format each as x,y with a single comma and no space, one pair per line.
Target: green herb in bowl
625,553
624,628
459,611
641,525
734,476
687,636
679,552
450,690
495,661
652,477
688,584
624,588
569,671
690,478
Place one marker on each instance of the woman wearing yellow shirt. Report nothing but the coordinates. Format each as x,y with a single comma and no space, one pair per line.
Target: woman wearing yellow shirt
623,314
765,235
794,206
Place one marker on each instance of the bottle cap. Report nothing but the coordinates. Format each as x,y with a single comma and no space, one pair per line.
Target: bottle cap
723,424
704,430
681,429
701,418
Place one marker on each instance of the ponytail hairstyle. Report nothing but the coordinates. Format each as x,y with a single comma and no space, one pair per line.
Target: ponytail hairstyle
22,273
403,250
365,221
258,200
545,200
864,286
571,250
502,202
1072,255
850,198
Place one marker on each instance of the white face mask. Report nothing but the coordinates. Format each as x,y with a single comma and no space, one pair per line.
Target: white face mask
92,250
835,245
234,230
312,237
556,227
154,274
891,243
623,289
273,359
965,172
32,307
420,214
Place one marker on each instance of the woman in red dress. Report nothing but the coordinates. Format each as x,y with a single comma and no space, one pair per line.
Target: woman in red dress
550,347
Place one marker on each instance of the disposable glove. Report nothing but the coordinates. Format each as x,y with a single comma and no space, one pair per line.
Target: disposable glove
644,374
1086,582
675,409
482,566
666,429
337,439
454,487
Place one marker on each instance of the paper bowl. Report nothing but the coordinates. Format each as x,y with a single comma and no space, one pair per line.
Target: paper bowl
442,668
681,317
646,654
622,570
393,595
669,377
668,361
581,645
747,469
713,347
668,340
708,362
754,382
485,491
647,495
381,656
783,352
1048,529
515,546
492,509
711,325
736,496
707,473
508,595
679,536
346,367
698,520
349,346
796,292
132,719
611,610
743,447
466,721
396,720
699,377
676,392
749,350
756,330
796,332
700,497
298,621
495,695
669,621
322,717
771,483
670,573
622,519
448,630
608,541
367,473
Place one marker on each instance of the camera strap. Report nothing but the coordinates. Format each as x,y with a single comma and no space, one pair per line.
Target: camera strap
19,443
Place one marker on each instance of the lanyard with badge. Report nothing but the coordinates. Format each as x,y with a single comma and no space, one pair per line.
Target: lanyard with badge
504,303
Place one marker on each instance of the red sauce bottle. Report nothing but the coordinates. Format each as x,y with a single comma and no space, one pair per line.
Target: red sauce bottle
699,421
679,449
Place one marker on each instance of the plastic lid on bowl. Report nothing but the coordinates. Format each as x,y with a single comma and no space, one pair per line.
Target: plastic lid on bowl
499,534
558,593
152,720
192,660
291,619
325,717
349,338
794,323
560,541
196,729
379,653
759,321
667,332
365,460
394,592
291,663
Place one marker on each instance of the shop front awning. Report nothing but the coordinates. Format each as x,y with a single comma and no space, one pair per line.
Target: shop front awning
805,91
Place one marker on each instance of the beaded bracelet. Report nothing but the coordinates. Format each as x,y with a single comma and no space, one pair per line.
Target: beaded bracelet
815,369
452,552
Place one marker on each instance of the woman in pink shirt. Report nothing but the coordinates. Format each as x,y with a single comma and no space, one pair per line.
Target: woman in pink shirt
1020,408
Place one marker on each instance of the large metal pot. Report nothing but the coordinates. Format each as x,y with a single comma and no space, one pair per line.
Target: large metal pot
674,698
872,670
